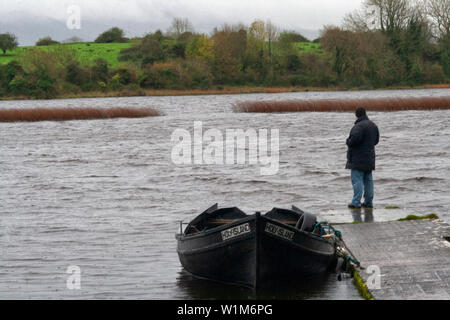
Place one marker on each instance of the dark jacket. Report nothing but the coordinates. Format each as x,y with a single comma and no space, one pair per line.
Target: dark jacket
361,143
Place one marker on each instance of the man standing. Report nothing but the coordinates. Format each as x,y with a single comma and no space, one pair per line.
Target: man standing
361,143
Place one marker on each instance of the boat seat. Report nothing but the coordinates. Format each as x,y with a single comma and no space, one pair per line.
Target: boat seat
217,222
306,222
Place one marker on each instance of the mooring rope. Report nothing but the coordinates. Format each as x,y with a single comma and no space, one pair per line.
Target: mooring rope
324,233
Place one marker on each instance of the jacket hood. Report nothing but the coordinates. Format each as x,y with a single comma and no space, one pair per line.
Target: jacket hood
362,118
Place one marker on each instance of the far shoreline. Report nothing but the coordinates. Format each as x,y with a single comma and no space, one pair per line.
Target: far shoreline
222,91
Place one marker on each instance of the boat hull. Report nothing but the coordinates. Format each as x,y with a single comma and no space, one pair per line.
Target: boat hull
254,251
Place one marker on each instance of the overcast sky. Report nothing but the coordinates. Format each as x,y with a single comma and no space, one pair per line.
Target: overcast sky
309,14
203,14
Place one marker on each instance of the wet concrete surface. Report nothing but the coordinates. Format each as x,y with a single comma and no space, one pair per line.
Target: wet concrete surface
378,214
402,260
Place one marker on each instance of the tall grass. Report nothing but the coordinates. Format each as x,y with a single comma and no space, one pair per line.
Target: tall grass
344,105
63,114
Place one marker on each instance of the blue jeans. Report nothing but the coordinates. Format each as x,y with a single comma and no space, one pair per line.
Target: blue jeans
362,182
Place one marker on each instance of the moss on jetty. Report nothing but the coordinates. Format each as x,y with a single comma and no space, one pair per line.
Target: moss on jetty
392,207
414,217
361,286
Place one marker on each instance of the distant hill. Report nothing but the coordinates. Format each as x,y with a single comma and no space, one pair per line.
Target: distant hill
30,28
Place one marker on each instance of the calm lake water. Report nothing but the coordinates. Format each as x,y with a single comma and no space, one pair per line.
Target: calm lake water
104,195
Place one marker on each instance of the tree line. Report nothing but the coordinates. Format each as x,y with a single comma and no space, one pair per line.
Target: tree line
385,43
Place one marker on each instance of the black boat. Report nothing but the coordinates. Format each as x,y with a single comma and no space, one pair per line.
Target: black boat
227,245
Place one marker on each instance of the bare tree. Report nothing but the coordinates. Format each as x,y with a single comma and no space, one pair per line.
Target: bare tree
392,14
386,15
272,33
358,21
180,26
438,12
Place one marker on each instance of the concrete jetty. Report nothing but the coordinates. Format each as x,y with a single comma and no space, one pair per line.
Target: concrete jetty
403,260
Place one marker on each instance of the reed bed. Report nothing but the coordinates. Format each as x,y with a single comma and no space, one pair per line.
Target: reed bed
438,86
344,105
64,114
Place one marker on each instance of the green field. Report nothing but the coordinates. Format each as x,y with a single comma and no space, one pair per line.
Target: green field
87,52
309,47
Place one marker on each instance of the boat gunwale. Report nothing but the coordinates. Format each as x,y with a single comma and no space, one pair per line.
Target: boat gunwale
200,234
210,247
308,234
217,245
298,245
